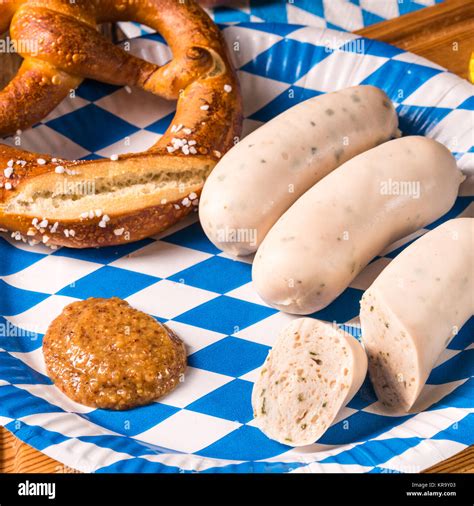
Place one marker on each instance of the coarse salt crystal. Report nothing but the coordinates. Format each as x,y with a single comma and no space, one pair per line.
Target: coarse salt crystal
8,186
178,143
8,172
204,107
192,196
41,161
119,231
59,169
114,158
227,88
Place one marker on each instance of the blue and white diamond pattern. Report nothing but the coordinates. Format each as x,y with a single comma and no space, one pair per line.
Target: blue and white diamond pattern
345,15
180,278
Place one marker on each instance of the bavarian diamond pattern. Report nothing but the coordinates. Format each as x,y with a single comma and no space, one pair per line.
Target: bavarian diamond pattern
346,15
180,278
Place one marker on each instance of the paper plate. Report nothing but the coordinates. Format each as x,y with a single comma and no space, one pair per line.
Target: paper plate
180,278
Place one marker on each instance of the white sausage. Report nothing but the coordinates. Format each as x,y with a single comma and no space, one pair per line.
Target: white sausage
259,179
333,231
311,373
415,307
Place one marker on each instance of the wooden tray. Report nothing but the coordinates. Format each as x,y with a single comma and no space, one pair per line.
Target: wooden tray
444,34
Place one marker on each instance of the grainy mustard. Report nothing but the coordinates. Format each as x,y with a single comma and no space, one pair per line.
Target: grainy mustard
106,354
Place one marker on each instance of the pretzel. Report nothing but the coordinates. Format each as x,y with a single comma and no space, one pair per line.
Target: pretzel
112,201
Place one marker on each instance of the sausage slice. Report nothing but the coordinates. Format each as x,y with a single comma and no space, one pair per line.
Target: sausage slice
312,372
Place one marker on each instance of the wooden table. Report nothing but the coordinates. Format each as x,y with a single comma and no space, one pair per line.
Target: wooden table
444,34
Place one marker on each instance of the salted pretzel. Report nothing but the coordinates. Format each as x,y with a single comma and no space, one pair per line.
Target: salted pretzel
42,199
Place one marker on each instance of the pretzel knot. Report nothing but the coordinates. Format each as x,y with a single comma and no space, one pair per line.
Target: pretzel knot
106,202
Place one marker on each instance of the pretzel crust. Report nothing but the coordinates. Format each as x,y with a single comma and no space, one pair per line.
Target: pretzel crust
139,194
